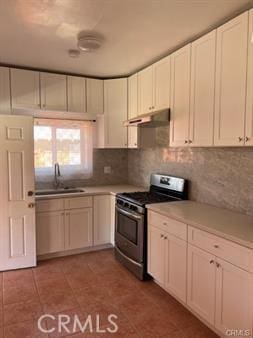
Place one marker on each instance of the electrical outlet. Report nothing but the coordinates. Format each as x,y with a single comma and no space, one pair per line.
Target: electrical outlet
107,170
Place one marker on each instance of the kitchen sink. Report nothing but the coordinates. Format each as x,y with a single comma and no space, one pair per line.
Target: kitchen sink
57,192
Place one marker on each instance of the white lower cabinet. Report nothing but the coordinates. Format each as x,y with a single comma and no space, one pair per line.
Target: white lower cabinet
234,294
201,283
175,266
167,256
102,219
49,232
74,223
156,254
219,292
78,228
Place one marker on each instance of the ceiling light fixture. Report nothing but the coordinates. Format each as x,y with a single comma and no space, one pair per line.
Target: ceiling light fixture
88,43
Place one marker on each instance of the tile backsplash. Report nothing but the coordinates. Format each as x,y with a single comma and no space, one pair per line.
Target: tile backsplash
114,158
222,177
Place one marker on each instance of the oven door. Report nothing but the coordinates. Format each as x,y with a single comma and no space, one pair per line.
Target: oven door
129,233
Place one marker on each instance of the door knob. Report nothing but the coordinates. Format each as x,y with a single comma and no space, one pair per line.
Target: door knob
31,205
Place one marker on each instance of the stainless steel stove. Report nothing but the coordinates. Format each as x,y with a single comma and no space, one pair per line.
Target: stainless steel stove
131,219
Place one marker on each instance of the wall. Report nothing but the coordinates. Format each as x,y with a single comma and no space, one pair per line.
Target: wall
116,158
219,176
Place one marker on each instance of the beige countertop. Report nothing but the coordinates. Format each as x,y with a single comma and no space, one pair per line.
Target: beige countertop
96,190
224,223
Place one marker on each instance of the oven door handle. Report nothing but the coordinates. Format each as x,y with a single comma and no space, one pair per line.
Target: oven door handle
124,212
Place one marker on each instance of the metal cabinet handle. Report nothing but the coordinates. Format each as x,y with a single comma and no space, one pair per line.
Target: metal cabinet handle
240,139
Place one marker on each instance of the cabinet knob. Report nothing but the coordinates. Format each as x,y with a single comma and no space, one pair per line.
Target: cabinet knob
185,141
165,237
31,205
190,141
216,246
30,193
211,261
247,139
162,236
240,138
218,265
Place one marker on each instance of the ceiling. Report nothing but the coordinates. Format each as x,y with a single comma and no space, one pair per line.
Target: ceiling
39,33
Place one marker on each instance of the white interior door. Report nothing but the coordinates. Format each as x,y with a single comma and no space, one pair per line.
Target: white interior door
17,227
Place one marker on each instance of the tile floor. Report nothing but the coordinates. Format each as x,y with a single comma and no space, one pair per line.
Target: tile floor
90,283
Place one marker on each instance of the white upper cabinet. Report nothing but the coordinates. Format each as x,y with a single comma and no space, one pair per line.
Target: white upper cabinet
161,84
249,105
53,91
5,99
180,96
132,110
230,87
154,87
145,90
25,88
95,96
115,113
76,94
202,90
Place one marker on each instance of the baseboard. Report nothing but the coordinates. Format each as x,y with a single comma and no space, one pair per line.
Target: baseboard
74,252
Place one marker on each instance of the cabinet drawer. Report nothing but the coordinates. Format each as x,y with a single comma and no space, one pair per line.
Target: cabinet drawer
78,202
50,205
172,226
229,251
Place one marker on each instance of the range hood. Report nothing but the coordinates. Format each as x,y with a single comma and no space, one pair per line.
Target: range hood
150,120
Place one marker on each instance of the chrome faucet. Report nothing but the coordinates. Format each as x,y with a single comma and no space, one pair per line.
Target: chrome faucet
57,174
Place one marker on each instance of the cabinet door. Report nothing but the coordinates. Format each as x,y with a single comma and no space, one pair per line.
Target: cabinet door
175,266
25,88
5,100
161,84
230,89
156,254
201,283
95,96
202,90
132,96
76,94
113,203
249,104
145,90
102,219
53,91
49,232
234,294
180,96
115,113
132,132
78,228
